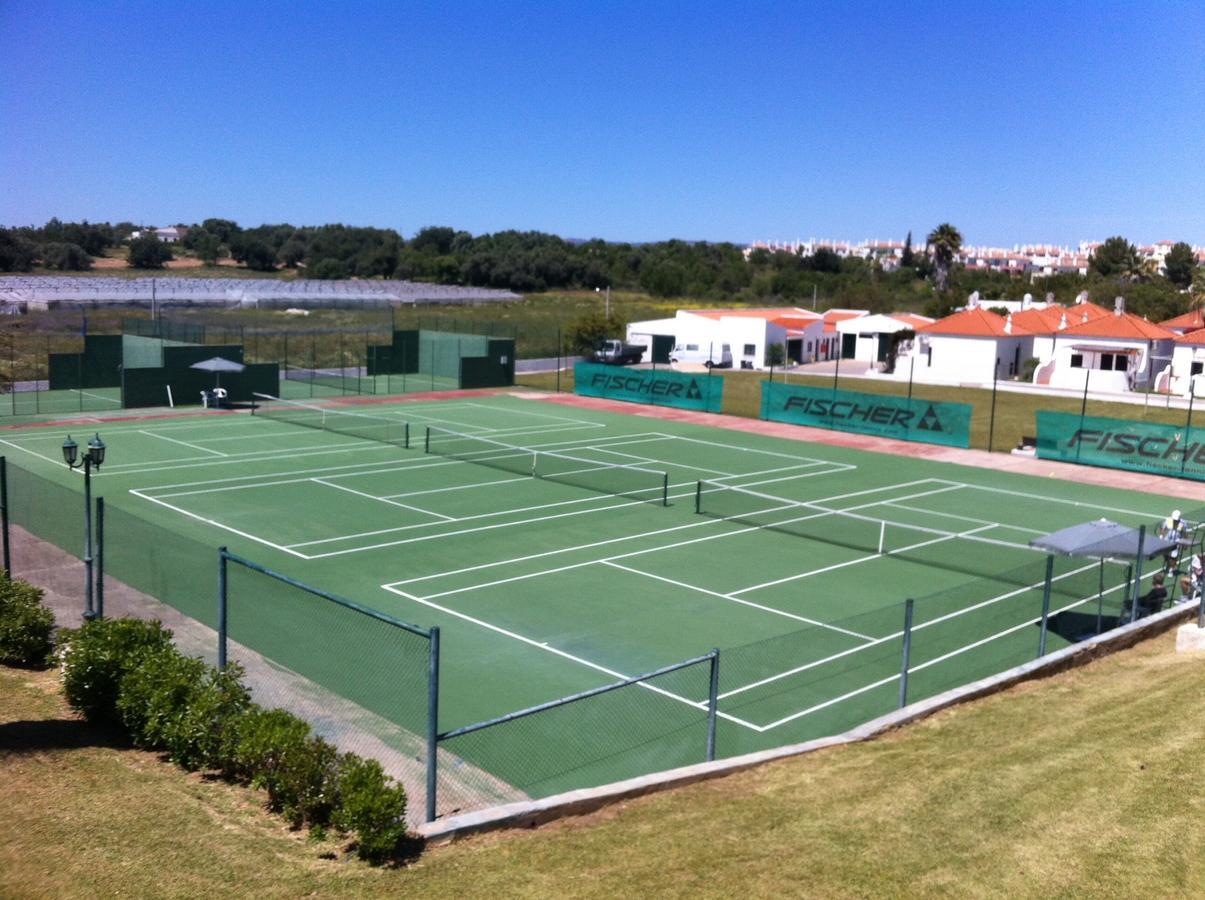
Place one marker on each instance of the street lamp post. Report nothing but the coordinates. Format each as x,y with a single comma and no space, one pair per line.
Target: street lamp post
607,308
94,457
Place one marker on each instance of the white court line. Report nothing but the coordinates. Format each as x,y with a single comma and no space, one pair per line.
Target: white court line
340,487
1046,499
627,538
653,461
164,437
216,524
749,603
49,459
380,468
633,503
739,449
494,513
628,555
946,515
545,646
958,651
1008,595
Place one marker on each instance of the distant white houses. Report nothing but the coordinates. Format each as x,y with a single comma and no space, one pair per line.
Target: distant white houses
806,336
172,235
965,348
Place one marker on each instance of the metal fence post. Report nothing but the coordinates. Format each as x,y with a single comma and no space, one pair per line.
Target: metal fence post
1046,604
221,607
1083,410
1138,572
1192,393
991,426
100,557
8,560
907,654
713,700
432,722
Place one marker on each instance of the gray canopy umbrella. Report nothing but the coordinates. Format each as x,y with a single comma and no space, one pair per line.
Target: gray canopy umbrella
1103,540
218,365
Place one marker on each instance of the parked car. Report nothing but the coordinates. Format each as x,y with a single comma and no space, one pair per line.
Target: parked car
618,353
710,355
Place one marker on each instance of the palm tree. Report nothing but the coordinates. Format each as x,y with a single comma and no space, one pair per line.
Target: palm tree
945,242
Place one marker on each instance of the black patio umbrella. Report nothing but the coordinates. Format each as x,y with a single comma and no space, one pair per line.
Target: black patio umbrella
218,365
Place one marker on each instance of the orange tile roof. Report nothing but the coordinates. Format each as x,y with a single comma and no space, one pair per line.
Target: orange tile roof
975,322
1049,318
912,320
1127,325
1190,321
1193,337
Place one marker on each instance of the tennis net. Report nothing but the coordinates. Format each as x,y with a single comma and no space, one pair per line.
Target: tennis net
352,424
619,479
969,551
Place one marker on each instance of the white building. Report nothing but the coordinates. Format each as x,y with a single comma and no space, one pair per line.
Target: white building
1183,375
868,338
965,348
1116,352
806,336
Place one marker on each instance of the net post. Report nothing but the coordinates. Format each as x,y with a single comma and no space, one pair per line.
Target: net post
222,597
8,560
432,721
698,497
907,653
665,489
100,557
991,426
1046,604
713,701
406,434
1137,573
427,441
1192,393
1100,597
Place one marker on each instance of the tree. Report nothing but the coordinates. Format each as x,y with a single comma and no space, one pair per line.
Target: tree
207,247
776,355
257,255
1115,258
909,258
1179,263
587,331
327,269
65,257
148,252
944,242
16,253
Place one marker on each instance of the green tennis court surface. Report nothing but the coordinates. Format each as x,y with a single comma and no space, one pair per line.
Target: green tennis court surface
543,586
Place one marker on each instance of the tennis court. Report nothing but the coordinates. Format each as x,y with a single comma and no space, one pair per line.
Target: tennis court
559,549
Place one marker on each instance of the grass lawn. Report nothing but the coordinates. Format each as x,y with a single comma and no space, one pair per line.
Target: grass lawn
1084,784
1014,411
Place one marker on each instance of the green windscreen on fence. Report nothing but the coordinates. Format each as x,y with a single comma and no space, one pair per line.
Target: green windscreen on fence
1122,444
659,387
893,417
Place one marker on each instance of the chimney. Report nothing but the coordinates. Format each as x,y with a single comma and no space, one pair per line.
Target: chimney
1119,305
1008,324
1063,322
1050,298
1081,297
1027,301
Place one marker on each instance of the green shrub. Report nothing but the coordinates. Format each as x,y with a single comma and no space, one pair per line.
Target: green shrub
274,750
97,656
371,805
198,736
155,692
25,624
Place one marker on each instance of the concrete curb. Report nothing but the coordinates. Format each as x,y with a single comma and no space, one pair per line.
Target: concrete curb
532,813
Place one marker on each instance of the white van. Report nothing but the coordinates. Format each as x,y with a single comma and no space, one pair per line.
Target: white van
709,355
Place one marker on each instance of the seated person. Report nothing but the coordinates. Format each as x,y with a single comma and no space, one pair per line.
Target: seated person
1190,584
1148,604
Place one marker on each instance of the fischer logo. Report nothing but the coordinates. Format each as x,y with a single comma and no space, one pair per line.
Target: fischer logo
652,386
1120,443
874,413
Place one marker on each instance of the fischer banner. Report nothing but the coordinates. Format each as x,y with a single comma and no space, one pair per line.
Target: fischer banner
1122,444
878,414
658,387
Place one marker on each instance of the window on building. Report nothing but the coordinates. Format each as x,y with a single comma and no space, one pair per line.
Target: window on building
1077,360
750,349
1196,368
1106,362
809,346
692,346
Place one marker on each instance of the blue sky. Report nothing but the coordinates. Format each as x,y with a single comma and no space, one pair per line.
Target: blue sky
626,121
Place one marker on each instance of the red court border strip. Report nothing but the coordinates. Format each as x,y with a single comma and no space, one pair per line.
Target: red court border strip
1000,462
